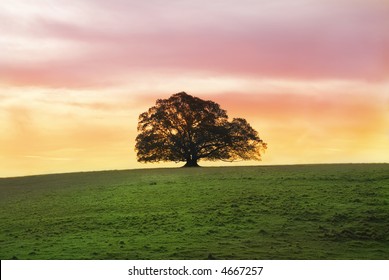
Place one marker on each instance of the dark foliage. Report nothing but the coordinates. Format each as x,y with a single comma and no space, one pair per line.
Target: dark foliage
186,128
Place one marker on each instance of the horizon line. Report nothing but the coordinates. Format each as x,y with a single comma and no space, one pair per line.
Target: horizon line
182,167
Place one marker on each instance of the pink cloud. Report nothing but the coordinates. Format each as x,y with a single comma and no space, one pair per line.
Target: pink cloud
328,109
341,41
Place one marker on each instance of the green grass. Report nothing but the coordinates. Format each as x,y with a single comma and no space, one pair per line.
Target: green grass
268,212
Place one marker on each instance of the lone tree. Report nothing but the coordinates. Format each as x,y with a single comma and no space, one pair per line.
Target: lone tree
184,128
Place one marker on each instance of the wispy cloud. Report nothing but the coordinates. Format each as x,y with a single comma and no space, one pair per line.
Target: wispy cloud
312,40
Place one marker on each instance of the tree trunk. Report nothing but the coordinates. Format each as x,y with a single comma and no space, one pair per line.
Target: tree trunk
191,163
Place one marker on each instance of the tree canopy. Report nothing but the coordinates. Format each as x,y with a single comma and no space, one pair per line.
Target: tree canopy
184,128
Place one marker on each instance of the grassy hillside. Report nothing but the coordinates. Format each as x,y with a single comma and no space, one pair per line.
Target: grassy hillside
268,212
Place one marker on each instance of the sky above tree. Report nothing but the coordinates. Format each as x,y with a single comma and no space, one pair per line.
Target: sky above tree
311,76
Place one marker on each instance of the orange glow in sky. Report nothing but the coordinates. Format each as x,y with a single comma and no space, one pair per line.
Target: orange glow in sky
312,76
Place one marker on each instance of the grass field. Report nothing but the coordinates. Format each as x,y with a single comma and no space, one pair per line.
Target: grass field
267,212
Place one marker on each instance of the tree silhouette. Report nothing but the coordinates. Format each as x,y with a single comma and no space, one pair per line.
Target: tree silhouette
184,128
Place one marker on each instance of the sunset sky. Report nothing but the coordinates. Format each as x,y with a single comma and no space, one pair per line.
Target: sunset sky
311,76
